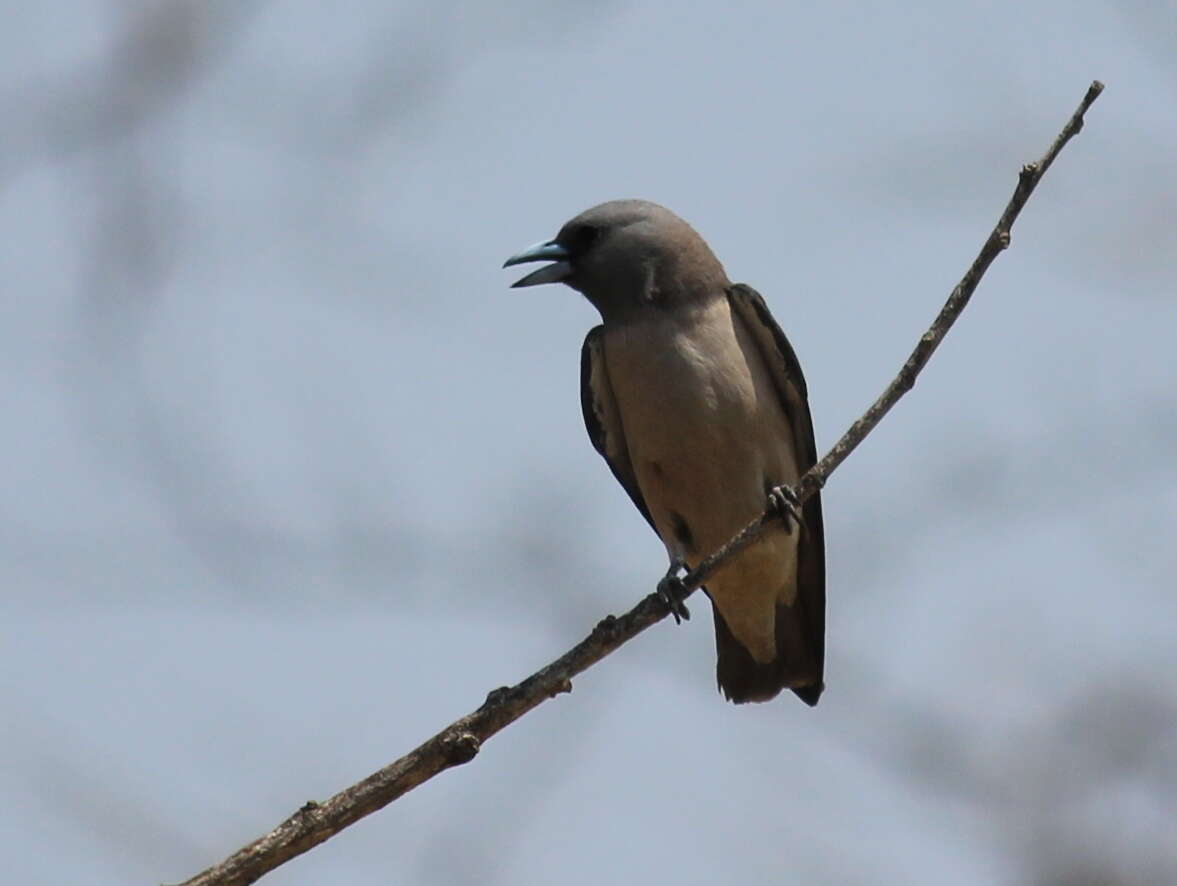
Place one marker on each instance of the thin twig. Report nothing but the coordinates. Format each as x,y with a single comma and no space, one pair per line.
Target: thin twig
815,478
460,741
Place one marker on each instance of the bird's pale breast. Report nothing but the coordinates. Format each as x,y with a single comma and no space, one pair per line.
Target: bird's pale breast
706,434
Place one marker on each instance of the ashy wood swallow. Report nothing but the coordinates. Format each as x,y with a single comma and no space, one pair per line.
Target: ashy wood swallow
694,397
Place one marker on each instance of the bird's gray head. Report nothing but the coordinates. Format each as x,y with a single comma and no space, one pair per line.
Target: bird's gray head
627,254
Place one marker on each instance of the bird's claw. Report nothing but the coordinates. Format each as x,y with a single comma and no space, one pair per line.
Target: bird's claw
783,500
671,591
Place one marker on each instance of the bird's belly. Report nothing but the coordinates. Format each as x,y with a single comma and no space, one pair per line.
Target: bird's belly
700,485
704,428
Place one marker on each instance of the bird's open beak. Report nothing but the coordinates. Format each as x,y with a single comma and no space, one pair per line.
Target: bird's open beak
549,250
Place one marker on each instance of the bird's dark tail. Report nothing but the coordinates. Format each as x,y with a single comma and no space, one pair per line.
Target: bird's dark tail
798,665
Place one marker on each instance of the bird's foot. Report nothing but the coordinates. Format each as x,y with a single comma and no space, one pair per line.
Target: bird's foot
783,500
672,591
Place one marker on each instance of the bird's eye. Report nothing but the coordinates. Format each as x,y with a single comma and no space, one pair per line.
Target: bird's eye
585,236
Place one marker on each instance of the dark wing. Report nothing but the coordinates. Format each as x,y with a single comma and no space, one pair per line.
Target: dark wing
790,384
603,421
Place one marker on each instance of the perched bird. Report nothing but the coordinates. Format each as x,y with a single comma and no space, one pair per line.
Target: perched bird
696,400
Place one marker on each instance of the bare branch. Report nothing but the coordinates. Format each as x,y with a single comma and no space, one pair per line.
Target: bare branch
460,741
815,478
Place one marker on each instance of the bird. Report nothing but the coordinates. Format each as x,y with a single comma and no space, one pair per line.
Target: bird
696,400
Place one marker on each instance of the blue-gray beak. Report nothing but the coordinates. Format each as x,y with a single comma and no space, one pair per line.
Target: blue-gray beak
549,250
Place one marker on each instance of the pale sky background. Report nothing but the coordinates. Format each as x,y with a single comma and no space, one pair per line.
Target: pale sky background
292,478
